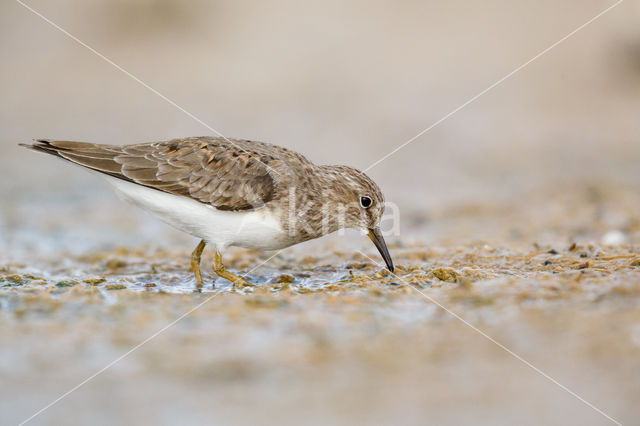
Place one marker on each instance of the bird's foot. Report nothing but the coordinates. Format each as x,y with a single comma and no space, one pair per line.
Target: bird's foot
236,280
221,271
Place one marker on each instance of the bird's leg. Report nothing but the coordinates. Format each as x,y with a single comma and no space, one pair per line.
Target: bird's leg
219,269
195,263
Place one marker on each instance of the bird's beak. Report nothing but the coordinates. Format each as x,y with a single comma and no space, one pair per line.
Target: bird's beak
378,240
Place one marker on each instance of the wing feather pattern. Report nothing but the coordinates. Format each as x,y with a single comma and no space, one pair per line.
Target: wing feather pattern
229,175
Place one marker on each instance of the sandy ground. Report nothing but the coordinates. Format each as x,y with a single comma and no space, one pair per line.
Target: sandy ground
330,336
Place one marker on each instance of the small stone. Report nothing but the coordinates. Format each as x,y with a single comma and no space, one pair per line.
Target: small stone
15,278
584,265
446,274
285,279
115,286
614,238
115,264
356,265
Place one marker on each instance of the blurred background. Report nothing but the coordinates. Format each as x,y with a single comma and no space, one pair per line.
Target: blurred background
549,156
341,82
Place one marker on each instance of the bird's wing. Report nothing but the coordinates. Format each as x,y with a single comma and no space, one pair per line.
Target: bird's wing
229,175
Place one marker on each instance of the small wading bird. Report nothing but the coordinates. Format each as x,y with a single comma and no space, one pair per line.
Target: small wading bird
232,192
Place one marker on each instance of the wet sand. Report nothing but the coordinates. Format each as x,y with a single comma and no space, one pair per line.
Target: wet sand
329,335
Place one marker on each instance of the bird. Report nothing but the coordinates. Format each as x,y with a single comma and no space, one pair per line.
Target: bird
233,192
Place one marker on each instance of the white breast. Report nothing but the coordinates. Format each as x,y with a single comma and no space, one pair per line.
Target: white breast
258,229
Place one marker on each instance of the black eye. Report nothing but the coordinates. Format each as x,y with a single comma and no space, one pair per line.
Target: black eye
365,202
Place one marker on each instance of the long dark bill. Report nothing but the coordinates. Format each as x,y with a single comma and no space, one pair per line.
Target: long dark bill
378,240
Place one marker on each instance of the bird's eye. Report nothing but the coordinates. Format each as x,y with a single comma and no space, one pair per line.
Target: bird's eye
365,202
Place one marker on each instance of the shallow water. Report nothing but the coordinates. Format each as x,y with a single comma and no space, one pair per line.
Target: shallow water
336,322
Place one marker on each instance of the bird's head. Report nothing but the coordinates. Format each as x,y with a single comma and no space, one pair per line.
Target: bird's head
363,206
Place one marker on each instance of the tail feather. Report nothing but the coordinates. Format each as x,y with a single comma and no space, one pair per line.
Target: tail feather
100,158
41,145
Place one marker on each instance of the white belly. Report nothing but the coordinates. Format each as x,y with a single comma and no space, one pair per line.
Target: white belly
258,229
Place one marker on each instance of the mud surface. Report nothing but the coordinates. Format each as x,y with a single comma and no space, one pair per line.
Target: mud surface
329,334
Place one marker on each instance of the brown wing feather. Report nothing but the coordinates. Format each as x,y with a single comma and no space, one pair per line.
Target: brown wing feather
227,175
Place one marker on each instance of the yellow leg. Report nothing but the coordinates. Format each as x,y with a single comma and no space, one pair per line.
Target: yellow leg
195,263
219,269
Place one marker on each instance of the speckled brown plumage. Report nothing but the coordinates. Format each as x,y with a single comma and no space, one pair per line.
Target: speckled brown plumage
228,174
233,174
